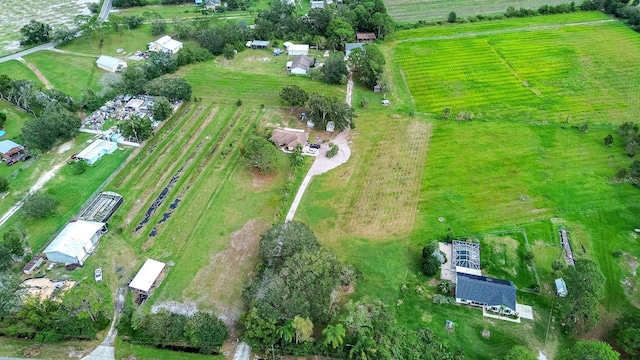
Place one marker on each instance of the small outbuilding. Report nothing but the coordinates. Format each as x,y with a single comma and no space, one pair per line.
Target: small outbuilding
259,44
148,278
10,151
212,4
33,265
317,4
111,64
300,65
96,150
165,45
331,126
365,37
297,49
561,287
75,242
289,139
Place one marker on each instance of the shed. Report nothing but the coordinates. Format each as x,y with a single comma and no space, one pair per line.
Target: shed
259,44
150,275
331,126
165,45
212,4
493,294
75,242
348,47
365,36
317,4
561,287
288,139
9,150
300,65
198,2
96,150
32,265
297,49
134,104
110,63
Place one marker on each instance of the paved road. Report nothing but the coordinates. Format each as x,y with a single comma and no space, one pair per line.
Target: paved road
22,53
104,12
243,352
106,351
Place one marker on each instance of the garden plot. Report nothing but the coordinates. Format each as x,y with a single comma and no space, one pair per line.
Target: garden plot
15,14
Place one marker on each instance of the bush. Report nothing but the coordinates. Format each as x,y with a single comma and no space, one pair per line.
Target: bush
4,185
79,167
39,205
333,150
239,102
617,253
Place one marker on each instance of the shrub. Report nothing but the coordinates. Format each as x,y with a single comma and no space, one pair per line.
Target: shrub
333,150
4,185
39,205
79,167
618,253
239,102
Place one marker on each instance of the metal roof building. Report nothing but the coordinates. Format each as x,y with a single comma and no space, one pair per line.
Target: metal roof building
96,150
110,63
149,274
75,242
485,292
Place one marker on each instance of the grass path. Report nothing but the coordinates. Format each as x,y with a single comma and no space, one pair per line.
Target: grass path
37,72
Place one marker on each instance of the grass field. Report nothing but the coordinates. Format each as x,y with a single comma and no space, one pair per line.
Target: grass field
17,70
543,75
415,10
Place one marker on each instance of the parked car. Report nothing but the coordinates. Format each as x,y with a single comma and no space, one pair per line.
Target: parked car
74,156
12,161
315,146
98,275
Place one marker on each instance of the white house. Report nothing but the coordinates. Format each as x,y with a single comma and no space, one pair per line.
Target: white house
300,65
75,242
96,150
297,49
110,63
166,45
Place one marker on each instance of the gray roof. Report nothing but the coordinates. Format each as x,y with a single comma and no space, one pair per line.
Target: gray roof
260,43
482,289
302,61
7,145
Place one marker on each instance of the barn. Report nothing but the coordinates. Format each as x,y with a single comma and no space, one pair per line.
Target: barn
111,64
150,275
75,242
96,150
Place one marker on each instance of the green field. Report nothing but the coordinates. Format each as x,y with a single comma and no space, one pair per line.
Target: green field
16,70
516,165
545,75
415,10
70,74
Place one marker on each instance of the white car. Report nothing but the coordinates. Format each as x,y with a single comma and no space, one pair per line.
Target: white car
98,275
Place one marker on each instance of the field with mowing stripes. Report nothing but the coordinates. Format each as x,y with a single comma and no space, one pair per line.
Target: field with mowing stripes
415,10
538,75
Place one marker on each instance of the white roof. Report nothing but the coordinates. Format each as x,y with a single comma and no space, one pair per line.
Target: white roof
95,148
75,238
109,61
163,39
168,43
298,47
147,275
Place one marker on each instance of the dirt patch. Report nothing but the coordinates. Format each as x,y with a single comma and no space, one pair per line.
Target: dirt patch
35,70
188,308
260,179
66,146
605,324
228,272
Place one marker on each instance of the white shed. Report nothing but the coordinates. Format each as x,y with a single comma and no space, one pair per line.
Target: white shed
148,277
166,45
75,242
96,150
297,49
110,63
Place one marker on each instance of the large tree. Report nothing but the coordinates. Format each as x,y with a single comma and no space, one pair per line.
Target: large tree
161,109
136,128
10,294
592,350
14,241
335,70
368,64
285,239
39,205
340,32
35,32
206,332
322,108
262,154
579,309
294,95
173,88
55,124
626,333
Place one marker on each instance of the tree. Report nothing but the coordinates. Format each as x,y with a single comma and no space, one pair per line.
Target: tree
14,241
54,124
520,353
626,333
557,266
10,294
158,27
206,332
4,185
608,140
39,205
596,350
367,64
173,88
228,51
452,17
286,331
161,109
133,22
335,70
579,309
136,128
340,32
430,263
285,239
303,328
79,167
334,335
294,95
5,258
262,154
35,33
322,108
259,331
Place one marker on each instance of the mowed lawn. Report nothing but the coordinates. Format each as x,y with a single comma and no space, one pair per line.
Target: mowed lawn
18,71
538,75
68,73
415,10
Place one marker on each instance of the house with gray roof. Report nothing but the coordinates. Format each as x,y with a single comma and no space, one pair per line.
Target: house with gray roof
495,295
300,64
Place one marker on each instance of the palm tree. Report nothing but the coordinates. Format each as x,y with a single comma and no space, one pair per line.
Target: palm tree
334,335
364,349
286,331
